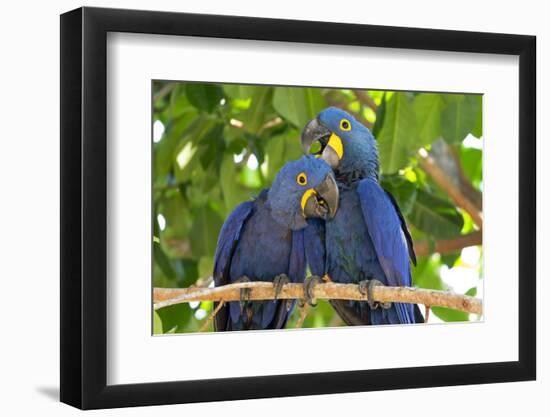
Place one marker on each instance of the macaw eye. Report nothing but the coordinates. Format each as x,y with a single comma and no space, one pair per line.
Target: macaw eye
301,178
345,125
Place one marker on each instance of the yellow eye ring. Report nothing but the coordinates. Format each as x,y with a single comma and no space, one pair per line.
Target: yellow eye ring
301,178
345,125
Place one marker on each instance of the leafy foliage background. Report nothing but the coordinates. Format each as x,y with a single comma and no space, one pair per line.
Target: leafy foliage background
217,145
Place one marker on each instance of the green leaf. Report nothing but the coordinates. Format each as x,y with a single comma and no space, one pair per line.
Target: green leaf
450,258
450,315
275,151
204,232
435,216
157,323
260,110
212,146
427,108
175,318
472,164
472,292
250,178
179,104
175,134
298,105
459,117
204,97
240,91
206,266
477,130
397,137
187,270
380,116
426,273
163,262
233,192
176,213
280,149
185,160
402,190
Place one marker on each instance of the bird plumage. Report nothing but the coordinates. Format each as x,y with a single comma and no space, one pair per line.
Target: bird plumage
367,238
266,237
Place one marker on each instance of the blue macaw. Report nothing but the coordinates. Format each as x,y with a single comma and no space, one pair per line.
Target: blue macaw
367,242
268,239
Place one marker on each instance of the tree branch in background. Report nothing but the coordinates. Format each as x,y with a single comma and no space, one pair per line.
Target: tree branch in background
165,90
445,246
428,164
359,117
163,297
271,123
448,159
344,106
365,99
178,247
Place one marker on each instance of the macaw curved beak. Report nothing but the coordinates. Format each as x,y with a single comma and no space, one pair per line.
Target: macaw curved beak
330,146
321,201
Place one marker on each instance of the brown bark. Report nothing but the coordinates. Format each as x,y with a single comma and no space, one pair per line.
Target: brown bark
445,246
365,99
445,182
163,297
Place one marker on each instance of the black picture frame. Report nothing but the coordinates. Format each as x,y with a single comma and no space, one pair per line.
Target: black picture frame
84,207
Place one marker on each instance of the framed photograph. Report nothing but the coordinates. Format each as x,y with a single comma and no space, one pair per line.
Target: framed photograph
258,208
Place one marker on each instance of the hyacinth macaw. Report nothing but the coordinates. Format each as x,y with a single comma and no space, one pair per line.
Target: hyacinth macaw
367,242
268,240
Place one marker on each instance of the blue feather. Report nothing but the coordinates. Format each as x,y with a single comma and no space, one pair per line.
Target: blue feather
315,246
265,238
368,238
390,243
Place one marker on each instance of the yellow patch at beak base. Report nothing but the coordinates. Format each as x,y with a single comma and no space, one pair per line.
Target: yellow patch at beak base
307,194
336,143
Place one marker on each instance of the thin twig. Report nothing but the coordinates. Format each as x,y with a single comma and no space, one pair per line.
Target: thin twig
271,123
164,91
426,313
163,297
336,321
303,313
211,316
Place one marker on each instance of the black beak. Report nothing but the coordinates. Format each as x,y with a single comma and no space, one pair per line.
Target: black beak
323,202
315,131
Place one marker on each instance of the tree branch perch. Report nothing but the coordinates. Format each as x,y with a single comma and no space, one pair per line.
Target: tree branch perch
163,297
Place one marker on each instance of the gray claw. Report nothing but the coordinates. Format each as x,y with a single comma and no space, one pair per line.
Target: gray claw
366,288
244,292
279,282
309,285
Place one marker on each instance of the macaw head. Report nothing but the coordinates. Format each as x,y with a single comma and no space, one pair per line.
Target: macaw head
303,189
344,143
